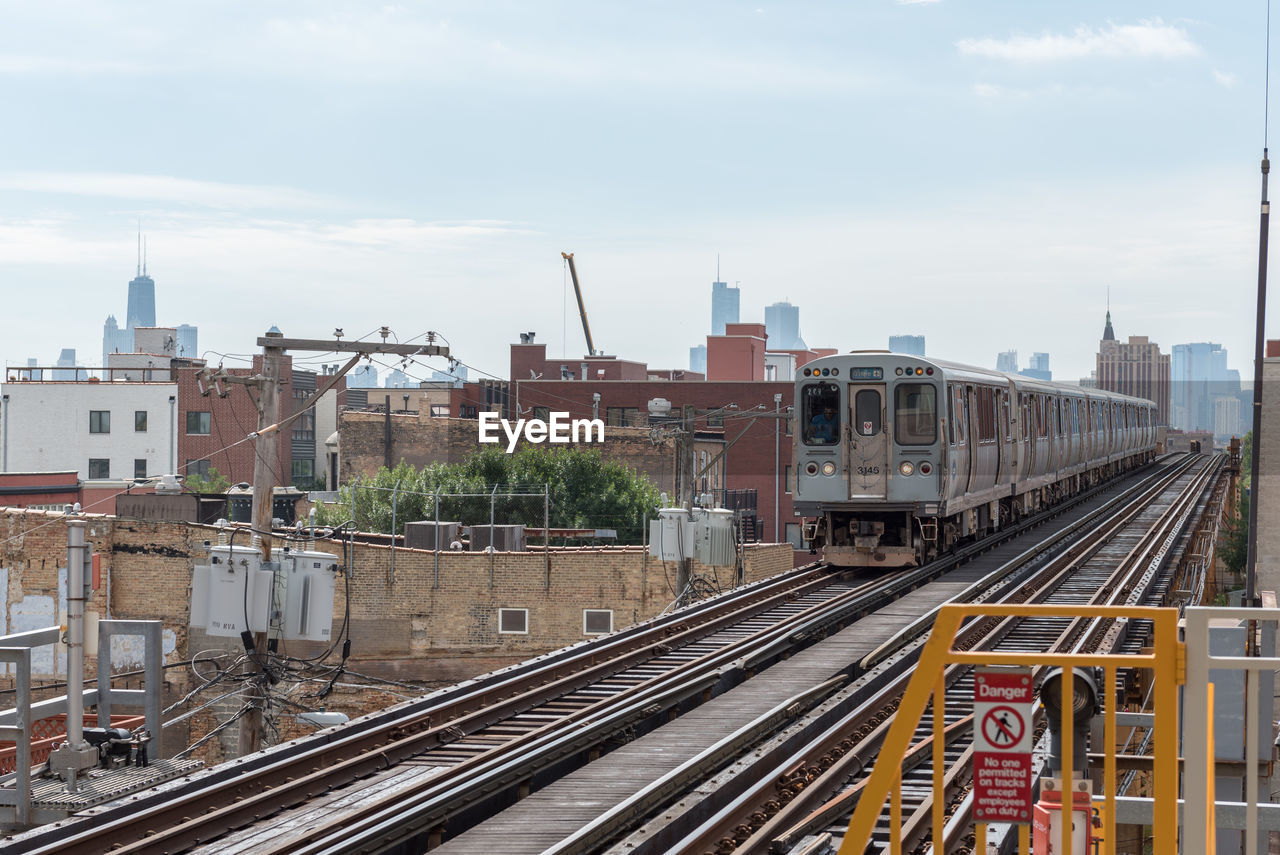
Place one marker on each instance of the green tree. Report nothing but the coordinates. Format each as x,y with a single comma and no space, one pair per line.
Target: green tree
585,490
215,482
1235,541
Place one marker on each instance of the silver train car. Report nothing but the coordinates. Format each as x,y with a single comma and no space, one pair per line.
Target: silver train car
899,458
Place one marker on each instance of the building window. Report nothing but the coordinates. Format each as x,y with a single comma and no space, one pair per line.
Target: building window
197,423
304,427
99,421
198,467
597,621
622,416
468,411
303,471
140,421
788,423
793,536
99,468
786,479
139,468
543,413
716,420
440,410
513,621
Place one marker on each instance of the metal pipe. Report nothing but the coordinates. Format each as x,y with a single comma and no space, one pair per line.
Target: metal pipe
75,632
173,434
435,504
777,430
4,433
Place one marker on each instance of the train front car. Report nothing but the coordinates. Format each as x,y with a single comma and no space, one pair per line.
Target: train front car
868,457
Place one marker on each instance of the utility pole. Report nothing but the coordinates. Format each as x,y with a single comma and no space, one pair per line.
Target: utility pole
266,463
687,487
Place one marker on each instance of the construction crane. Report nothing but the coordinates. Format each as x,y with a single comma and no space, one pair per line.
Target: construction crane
582,309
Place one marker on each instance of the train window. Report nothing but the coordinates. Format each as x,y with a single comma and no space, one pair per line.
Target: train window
959,414
1004,410
951,421
821,414
915,408
866,412
986,415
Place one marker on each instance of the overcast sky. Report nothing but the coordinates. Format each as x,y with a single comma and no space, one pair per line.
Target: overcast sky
980,173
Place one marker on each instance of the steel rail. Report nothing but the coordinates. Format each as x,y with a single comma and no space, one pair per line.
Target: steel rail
849,762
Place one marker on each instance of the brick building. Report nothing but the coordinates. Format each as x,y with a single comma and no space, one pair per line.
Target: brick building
1136,368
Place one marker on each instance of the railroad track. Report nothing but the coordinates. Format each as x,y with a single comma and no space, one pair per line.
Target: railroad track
806,783
434,765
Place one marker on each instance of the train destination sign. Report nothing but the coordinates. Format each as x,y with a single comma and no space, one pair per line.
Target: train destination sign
1003,703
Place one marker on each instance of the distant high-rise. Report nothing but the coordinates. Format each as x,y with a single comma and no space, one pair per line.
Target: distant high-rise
142,297
115,339
67,359
187,336
1200,377
1135,368
1007,362
912,345
698,359
1038,369
363,377
782,325
724,306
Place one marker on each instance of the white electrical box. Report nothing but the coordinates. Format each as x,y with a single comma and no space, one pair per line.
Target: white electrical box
231,589
715,543
310,578
671,535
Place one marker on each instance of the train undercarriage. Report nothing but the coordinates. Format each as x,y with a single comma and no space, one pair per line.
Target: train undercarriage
854,535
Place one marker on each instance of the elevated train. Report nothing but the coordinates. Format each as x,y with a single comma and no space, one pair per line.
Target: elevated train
898,458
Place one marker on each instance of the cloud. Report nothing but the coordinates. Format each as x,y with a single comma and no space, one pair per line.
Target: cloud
186,191
1146,39
1224,78
917,2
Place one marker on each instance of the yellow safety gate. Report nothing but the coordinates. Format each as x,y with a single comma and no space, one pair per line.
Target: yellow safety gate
1167,662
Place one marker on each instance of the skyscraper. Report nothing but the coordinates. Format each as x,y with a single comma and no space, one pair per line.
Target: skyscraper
115,339
1007,362
912,345
1200,377
698,359
1038,367
142,297
782,325
724,306
1135,368
187,338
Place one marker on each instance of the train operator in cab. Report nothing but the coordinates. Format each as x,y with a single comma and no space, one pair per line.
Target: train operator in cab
823,425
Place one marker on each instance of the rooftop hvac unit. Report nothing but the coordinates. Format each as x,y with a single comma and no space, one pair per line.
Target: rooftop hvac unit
715,543
503,538
428,533
671,535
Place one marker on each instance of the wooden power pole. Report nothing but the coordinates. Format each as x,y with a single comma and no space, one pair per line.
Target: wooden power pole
266,465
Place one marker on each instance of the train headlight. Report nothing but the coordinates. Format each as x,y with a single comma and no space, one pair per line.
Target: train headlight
906,468
828,468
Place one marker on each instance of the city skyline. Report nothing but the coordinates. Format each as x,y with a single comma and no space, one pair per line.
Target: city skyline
283,183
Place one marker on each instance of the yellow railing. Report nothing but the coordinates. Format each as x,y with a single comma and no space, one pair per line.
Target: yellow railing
1167,662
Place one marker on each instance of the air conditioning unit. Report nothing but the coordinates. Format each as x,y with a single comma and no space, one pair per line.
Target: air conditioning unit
503,538
429,534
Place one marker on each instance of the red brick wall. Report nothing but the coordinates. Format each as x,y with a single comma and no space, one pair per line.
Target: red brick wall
231,419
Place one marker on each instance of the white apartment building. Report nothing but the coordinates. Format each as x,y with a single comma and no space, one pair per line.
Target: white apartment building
103,430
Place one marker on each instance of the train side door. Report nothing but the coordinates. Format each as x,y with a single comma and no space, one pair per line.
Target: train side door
868,443
1005,438
1027,467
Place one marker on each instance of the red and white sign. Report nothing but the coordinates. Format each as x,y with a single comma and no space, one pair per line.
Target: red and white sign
1003,703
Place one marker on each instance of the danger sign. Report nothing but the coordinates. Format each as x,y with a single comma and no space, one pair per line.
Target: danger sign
1002,707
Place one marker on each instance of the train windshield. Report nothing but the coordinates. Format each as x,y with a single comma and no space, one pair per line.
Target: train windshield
915,414
820,414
